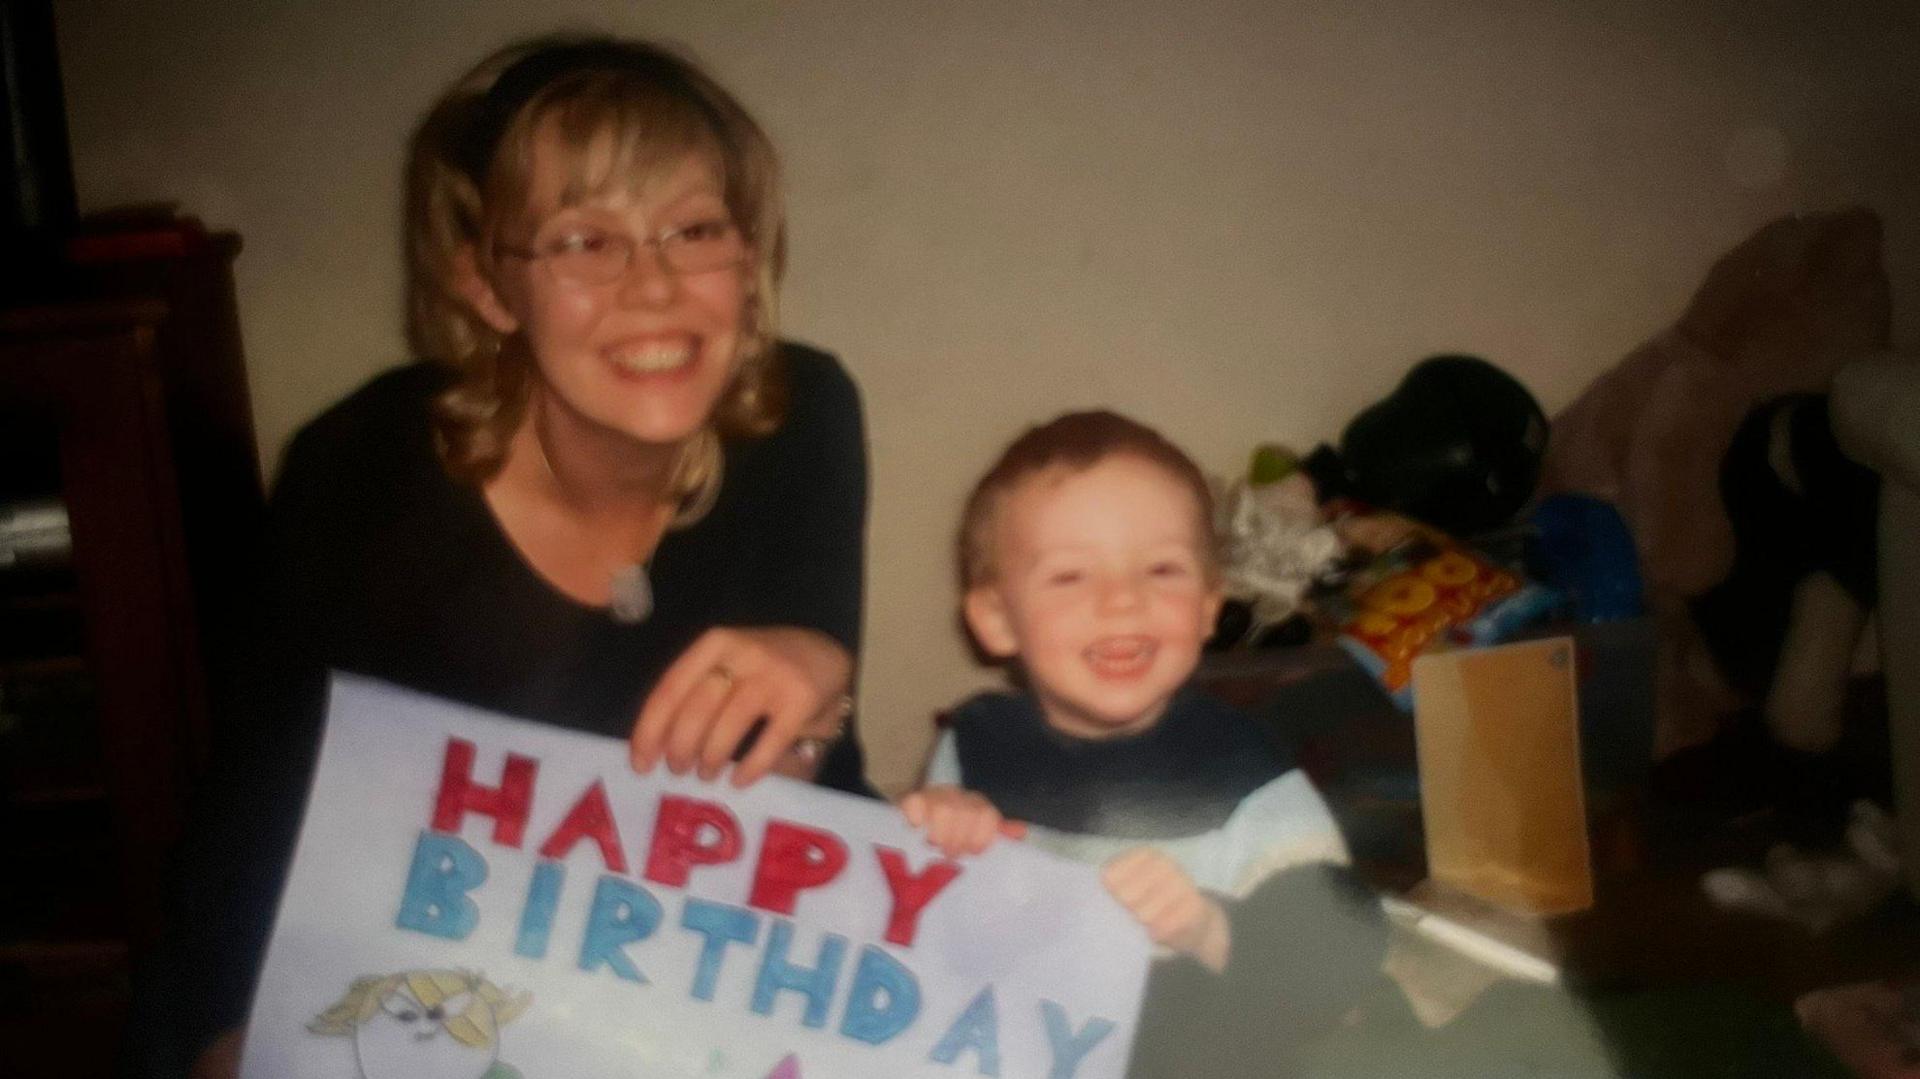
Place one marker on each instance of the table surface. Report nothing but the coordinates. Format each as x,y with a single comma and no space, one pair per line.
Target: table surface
1652,932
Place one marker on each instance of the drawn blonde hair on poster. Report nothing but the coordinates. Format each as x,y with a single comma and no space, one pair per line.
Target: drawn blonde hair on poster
425,1024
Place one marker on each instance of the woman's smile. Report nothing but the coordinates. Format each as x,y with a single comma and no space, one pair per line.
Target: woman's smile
651,357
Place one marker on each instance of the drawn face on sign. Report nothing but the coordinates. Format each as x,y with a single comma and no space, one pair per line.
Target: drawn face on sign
431,1024
407,1037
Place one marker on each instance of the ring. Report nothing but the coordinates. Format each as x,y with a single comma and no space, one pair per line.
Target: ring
724,673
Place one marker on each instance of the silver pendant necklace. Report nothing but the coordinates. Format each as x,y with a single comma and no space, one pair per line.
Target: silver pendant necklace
632,597
630,591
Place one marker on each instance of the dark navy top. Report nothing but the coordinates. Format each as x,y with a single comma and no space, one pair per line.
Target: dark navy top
1185,774
1307,942
379,563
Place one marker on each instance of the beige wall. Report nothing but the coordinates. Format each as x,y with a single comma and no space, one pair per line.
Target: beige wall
1239,221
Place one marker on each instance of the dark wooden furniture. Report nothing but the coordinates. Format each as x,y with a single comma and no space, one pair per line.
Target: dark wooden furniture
122,400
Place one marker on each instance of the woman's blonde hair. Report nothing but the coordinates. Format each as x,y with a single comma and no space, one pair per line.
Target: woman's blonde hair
622,112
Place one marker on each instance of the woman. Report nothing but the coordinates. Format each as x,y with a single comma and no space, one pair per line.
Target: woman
609,499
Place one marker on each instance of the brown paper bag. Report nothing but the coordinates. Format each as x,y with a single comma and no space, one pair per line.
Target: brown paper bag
1500,790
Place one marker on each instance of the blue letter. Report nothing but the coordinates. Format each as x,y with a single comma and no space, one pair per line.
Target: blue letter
722,925
977,1029
536,918
1069,1048
444,870
884,998
777,974
622,913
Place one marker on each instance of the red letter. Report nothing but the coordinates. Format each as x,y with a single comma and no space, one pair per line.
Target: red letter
590,818
793,858
459,795
676,839
911,893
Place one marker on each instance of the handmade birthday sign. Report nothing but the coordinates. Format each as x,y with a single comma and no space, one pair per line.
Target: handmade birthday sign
483,898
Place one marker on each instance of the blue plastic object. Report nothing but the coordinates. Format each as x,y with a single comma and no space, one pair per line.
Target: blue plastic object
1581,548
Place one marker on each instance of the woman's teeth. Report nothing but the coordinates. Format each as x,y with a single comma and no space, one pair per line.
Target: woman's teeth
651,359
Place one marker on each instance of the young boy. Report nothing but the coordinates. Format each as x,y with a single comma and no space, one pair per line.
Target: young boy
1087,559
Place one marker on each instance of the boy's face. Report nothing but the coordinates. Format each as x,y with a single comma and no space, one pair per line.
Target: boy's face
1102,593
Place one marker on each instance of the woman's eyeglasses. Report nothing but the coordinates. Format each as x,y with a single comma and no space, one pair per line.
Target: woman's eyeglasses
595,256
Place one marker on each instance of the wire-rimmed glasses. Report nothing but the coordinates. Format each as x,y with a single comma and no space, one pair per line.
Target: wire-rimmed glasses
589,255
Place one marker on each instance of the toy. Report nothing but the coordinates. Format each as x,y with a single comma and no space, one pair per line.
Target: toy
1776,315
1457,445
1426,594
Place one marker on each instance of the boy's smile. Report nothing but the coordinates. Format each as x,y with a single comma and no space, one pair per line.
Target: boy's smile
1119,658
1104,592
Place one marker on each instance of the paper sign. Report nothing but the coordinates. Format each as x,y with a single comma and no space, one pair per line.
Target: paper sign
483,898
1500,787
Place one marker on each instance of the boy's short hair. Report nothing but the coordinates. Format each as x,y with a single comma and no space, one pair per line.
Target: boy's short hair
1075,441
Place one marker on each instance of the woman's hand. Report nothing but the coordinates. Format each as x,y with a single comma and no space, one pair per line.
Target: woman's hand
957,821
730,677
1173,910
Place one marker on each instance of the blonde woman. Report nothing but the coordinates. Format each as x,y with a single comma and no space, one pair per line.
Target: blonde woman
607,497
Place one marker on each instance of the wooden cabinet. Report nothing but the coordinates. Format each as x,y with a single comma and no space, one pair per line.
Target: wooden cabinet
123,407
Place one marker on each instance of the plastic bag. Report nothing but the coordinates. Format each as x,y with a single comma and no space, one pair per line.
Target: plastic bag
1427,594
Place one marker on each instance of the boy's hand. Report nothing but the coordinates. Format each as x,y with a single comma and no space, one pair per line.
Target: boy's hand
1174,911
957,821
